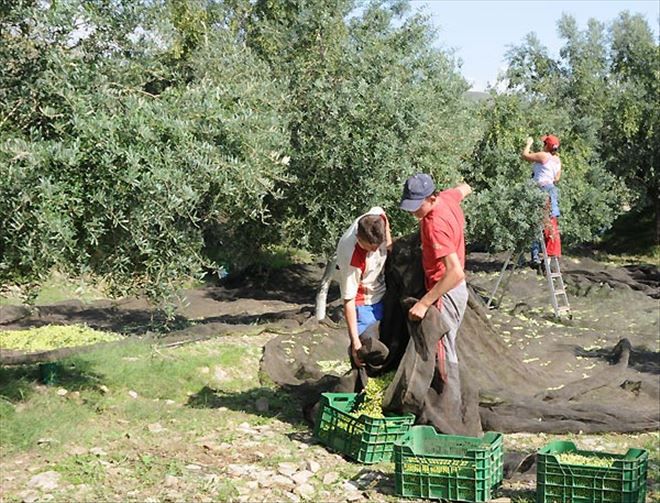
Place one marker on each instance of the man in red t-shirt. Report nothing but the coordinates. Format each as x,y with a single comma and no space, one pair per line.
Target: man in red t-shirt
443,256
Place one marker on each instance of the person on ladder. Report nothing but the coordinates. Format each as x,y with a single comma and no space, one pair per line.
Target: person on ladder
546,171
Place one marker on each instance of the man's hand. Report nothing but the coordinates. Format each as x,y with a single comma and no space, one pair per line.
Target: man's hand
464,189
354,354
530,140
454,274
418,311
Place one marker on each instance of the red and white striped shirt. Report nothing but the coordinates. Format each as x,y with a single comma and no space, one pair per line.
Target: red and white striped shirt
361,274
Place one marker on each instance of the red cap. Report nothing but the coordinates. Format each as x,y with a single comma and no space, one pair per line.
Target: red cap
551,141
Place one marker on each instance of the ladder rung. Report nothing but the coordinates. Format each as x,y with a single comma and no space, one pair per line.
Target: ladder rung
553,273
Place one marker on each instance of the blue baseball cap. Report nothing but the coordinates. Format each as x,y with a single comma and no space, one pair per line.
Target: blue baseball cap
417,188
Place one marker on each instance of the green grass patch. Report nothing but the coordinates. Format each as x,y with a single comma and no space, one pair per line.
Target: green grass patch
163,374
226,490
98,388
81,469
56,288
149,469
278,256
44,415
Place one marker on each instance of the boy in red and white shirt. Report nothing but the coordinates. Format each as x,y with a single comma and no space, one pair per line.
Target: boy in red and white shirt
361,255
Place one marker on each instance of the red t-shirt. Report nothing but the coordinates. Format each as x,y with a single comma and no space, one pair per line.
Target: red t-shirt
442,233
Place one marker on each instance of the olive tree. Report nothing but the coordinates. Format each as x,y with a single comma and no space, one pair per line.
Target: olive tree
371,102
126,153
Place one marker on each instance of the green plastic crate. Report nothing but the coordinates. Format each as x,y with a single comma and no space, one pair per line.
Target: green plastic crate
623,482
428,464
364,439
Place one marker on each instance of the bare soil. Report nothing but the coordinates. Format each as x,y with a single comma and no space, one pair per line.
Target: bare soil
608,303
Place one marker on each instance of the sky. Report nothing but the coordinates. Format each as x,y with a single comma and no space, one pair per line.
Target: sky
481,31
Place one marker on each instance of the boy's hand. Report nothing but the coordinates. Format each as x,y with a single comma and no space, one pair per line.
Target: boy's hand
530,140
354,354
418,311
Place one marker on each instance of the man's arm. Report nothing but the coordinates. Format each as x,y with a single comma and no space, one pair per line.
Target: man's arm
351,321
454,274
388,235
533,156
